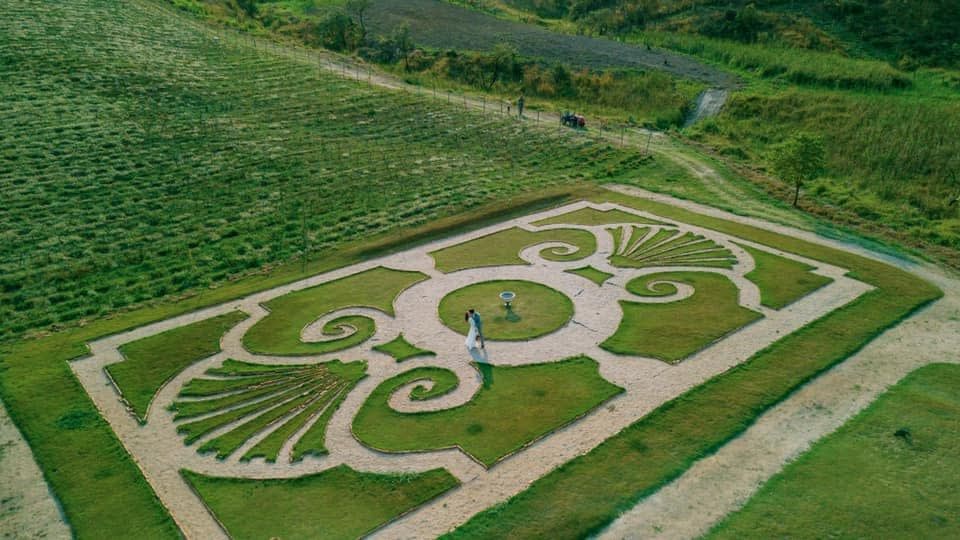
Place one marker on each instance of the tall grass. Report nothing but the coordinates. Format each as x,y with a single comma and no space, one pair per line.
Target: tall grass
892,159
798,66
142,157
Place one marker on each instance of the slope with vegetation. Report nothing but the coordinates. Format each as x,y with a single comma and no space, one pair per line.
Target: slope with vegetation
877,81
148,159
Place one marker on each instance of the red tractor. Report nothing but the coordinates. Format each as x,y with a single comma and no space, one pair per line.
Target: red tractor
574,120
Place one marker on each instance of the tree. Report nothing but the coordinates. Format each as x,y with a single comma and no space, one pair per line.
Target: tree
357,9
337,32
502,60
400,38
248,7
800,159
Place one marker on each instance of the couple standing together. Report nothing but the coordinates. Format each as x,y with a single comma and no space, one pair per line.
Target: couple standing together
476,329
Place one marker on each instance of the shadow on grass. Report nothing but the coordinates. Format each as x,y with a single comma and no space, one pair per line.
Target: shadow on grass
486,370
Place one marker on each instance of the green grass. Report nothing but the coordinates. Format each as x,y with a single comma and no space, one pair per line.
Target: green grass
86,467
338,503
782,281
590,491
592,217
892,135
538,310
263,397
170,162
642,247
675,330
790,64
91,474
279,332
503,248
891,160
169,129
514,407
151,362
401,349
591,273
864,481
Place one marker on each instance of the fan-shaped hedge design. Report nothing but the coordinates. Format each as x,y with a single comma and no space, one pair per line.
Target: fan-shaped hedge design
240,401
640,247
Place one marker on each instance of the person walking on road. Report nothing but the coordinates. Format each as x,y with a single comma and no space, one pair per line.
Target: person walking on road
520,103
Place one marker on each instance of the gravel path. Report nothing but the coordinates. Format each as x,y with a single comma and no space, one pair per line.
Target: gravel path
722,483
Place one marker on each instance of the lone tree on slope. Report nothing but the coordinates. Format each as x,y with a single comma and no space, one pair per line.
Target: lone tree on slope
249,7
358,9
798,160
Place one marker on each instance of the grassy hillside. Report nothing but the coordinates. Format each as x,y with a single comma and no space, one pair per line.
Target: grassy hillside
886,109
911,33
438,45
142,156
877,81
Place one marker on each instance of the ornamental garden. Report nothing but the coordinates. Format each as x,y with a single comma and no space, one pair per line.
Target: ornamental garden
639,336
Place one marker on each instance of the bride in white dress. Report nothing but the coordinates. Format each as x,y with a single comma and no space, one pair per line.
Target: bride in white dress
471,342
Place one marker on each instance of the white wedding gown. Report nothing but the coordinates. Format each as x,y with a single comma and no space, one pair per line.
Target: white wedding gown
472,335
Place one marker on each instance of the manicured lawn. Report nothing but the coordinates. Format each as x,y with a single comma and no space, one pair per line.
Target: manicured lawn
782,281
592,216
865,481
279,332
516,406
263,397
591,273
536,311
675,330
401,349
151,362
339,503
641,247
504,247
590,491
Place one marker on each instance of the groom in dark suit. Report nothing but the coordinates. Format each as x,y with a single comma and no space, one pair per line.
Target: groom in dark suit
479,324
